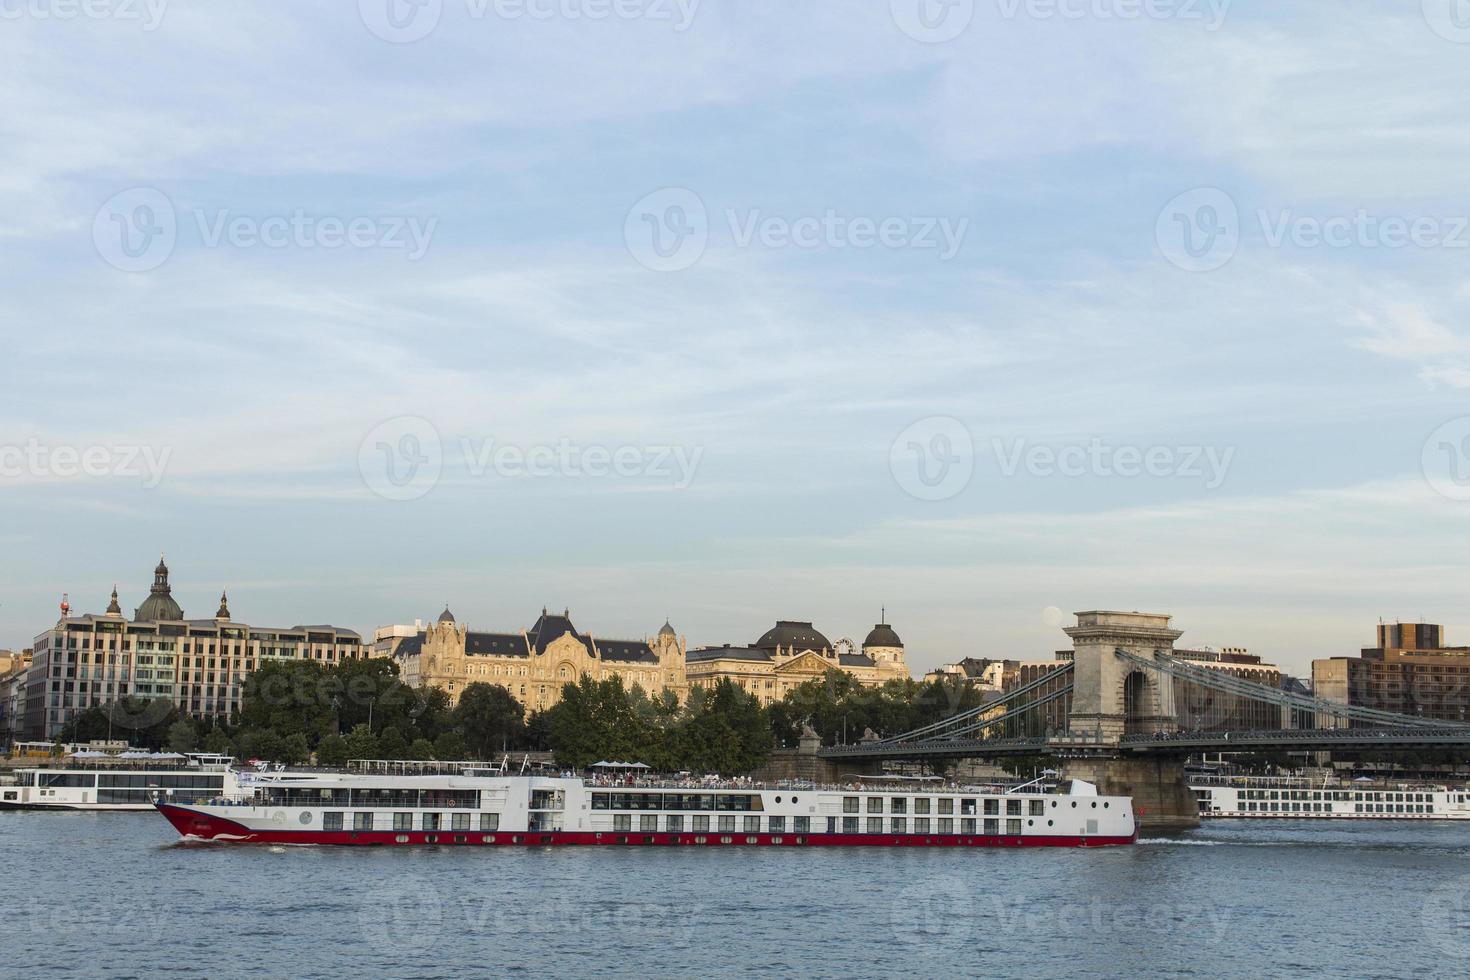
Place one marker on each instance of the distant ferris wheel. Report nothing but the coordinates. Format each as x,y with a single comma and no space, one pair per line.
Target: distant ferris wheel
844,647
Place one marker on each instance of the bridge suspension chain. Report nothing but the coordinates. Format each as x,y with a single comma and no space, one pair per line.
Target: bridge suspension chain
1224,683
943,726
979,725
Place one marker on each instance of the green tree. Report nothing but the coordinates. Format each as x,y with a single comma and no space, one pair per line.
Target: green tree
332,751
361,743
489,719
181,736
422,749
392,744
294,749
217,741
449,746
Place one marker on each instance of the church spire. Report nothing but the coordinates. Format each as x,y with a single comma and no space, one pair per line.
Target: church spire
113,609
224,606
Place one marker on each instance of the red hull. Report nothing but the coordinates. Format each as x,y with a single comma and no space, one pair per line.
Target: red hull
193,824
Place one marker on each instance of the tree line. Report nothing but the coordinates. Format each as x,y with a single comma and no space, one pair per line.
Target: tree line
297,712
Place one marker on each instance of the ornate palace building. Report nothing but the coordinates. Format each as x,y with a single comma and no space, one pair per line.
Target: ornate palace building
532,664
197,665
791,653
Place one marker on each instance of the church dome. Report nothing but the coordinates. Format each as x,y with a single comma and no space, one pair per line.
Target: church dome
791,634
446,616
160,603
667,630
882,635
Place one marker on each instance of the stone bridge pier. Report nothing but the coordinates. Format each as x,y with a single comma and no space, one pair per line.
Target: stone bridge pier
1112,698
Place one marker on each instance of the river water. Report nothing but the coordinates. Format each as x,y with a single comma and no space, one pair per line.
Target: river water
116,895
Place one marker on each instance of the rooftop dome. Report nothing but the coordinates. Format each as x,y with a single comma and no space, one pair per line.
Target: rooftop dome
159,604
882,635
667,630
791,634
446,616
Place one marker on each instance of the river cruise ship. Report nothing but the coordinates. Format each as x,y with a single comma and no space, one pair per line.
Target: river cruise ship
1297,798
131,781
484,807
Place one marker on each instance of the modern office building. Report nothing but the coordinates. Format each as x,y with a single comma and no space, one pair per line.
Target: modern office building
1410,672
198,665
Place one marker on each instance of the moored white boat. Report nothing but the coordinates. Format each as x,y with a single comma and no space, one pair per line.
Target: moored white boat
479,806
1295,798
131,781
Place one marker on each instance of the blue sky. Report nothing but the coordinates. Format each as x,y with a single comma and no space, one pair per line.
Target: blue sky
813,420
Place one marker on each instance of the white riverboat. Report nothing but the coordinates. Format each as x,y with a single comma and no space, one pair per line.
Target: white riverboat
130,781
1297,798
480,806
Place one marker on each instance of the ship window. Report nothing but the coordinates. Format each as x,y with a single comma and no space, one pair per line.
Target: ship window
849,804
459,821
1038,807
400,839
489,821
992,808
701,823
775,825
1013,808
1013,826
752,825
674,823
921,825
727,825
802,825
900,825
921,805
849,825
946,805
875,804
647,822
992,826
875,825
622,821
946,825
362,821
967,807
900,805
403,821
431,821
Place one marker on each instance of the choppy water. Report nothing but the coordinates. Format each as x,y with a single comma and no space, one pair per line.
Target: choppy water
114,895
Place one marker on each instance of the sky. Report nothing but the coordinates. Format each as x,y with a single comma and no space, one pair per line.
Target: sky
983,311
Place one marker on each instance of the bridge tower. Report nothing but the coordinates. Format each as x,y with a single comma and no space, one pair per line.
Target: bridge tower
1110,696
